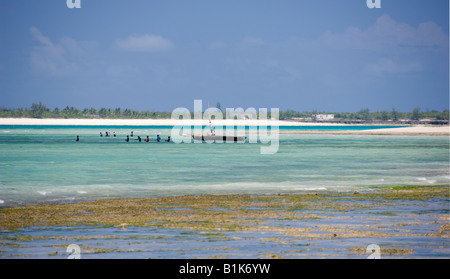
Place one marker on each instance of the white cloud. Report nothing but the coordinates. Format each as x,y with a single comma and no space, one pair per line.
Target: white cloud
387,33
252,41
64,58
39,37
47,58
388,66
144,43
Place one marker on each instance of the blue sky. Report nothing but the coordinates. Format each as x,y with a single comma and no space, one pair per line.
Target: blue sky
325,55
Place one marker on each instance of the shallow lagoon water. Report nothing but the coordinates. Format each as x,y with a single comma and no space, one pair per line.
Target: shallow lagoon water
48,165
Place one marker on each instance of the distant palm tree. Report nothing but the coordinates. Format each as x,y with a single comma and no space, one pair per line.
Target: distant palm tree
38,110
415,113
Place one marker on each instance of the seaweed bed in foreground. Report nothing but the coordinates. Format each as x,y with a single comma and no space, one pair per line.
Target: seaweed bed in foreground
405,222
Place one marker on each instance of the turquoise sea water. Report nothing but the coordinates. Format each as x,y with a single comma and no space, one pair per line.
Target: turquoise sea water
46,163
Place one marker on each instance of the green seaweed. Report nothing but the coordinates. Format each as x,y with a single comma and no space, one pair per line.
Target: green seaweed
243,212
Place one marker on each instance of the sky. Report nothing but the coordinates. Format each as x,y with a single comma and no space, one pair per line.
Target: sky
325,55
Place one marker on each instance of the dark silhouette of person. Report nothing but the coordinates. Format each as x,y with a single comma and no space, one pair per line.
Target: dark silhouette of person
168,139
78,138
128,139
158,138
139,138
147,140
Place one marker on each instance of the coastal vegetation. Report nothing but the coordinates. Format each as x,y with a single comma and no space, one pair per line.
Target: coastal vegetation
40,110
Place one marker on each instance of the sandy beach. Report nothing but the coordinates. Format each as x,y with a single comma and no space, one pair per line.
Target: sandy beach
147,122
419,130
403,131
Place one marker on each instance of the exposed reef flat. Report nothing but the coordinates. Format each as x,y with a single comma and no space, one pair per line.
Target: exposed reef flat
404,221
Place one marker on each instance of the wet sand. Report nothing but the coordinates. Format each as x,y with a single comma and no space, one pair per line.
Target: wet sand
404,222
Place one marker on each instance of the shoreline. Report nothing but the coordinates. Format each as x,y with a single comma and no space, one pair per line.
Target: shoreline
416,130
157,122
401,131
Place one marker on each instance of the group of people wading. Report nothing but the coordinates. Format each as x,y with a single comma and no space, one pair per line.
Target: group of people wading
107,134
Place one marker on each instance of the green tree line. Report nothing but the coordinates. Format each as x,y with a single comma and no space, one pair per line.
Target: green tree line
365,114
39,110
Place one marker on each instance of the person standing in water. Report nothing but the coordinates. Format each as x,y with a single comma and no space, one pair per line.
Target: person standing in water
158,138
78,138
128,139
139,138
147,140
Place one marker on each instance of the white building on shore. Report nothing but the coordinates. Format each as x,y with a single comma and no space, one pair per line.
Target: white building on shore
323,116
